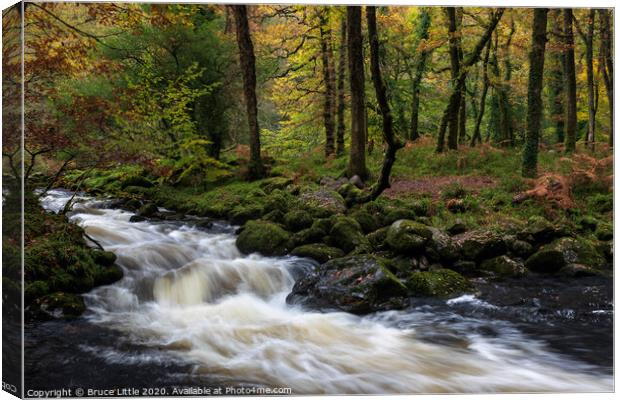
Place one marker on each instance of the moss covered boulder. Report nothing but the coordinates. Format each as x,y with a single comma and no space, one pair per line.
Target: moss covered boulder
241,214
504,266
58,305
318,251
440,247
408,237
479,245
277,182
367,221
297,220
263,237
358,284
346,234
377,238
437,283
323,202
561,252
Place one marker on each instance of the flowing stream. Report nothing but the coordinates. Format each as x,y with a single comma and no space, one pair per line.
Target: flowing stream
189,297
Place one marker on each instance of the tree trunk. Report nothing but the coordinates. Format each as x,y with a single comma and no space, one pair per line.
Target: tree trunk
462,103
534,90
483,99
606,65
556,75
506,109
455,95
357,157
383,182
342,59
590,79
453,117
248,69
328,79
420,65
570,81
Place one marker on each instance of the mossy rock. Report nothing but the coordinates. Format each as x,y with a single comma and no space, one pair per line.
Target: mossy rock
297,220
520,248
440,247
561,252
438,283
407,237
61,305
366,220
263,237
108,275
587,223
346,234
479,245
377,238
319,252
270,184
323,224
136,180
137,190
307,236
396,214
504,266
280,201
241,214
276,216
350,193
605,232
358,284
538,230
35,290
323,202
147,210
104,258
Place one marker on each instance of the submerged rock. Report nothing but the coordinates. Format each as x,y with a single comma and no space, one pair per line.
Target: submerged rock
263,237
58,305
358,284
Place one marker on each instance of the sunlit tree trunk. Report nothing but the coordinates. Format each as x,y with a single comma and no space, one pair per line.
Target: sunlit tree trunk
463,103
342,59
357,156
420,66
570,81
590,75
534,92
248,70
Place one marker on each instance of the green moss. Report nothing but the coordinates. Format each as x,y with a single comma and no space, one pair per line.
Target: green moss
297,220
346,234
366,220
406,236
437,283
263,237
319,252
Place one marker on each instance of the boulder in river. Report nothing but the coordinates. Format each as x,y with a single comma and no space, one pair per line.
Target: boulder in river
440,247
58,305
318,251
437,283
561,252
504,266
358,284
263,237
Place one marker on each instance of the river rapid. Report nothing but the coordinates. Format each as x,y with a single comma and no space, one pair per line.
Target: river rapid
192,310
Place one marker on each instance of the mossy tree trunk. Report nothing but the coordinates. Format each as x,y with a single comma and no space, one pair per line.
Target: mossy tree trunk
570,81
248,71
342,59
357,154
424,24
606,65
477,137
328,81
534,92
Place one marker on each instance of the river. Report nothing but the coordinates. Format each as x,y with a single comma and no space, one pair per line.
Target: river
192,310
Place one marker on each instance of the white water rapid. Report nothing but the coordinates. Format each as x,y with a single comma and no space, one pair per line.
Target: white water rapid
191,292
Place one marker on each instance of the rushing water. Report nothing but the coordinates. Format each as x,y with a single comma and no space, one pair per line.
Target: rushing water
190,301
